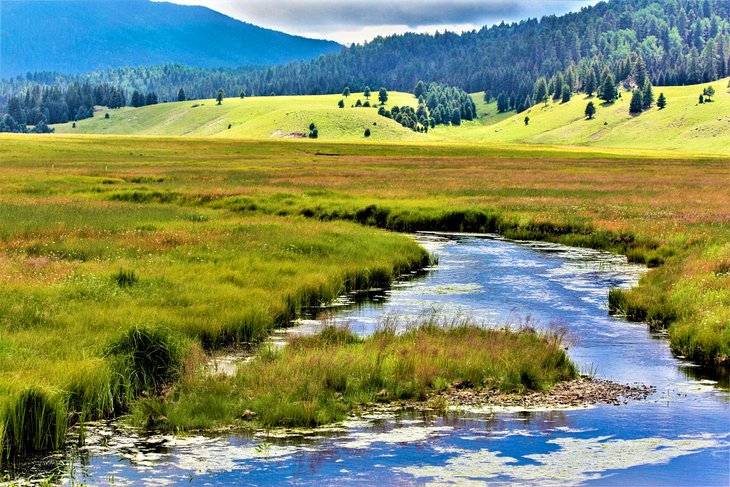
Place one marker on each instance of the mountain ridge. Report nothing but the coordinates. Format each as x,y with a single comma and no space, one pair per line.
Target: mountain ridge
75,36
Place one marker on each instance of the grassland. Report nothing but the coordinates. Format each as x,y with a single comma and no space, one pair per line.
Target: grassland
257,118
683,125
320,379
196,242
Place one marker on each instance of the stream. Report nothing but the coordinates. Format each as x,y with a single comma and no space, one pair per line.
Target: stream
680,435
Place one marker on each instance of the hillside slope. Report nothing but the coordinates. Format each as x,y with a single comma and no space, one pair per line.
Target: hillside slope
84,35
683,125
257,117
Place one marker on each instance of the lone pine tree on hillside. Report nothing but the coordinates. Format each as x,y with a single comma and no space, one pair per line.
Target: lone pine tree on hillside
383,96
661,101
346,91
219,96
590,110
243,94
181,95
637,102
366,93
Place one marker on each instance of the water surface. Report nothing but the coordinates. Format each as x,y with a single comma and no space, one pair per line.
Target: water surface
679,436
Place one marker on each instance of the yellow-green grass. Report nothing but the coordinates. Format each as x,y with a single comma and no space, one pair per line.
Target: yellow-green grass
210,277
257,117
683,125
223,236
320,379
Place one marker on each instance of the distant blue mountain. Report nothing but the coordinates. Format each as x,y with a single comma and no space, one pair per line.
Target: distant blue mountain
83,35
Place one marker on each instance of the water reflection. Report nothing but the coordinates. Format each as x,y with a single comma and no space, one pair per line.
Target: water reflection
680,435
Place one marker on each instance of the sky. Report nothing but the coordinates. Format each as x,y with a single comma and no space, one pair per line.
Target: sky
357,21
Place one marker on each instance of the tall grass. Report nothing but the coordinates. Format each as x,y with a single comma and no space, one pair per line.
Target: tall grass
321,378
218,241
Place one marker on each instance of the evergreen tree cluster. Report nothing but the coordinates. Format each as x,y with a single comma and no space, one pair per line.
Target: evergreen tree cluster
679,42
60,104
437,105
141,100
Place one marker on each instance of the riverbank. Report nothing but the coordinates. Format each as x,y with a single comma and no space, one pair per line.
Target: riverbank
321,379
219,241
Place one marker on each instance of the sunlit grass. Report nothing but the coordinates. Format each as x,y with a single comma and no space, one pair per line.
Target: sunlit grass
219,240
319,379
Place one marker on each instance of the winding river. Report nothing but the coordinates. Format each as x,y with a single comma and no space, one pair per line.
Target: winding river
679,436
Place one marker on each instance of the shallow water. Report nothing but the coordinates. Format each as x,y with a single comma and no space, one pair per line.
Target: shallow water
679,436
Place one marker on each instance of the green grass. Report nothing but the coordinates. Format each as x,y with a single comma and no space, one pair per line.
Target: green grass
200,242
683,125
320,379
257,117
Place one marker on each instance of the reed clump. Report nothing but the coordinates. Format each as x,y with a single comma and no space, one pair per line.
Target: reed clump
322,378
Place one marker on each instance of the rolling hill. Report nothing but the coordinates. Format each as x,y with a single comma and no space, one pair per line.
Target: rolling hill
683,125
85,35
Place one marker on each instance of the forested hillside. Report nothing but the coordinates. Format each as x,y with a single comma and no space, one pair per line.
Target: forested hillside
634,42
73,36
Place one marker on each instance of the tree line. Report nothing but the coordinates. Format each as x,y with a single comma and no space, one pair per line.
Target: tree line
680,42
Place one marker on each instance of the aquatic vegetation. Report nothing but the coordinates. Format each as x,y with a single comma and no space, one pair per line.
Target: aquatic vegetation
321,378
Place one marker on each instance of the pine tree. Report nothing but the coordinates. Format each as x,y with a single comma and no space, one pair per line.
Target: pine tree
419,90
243,94
541,90
219,96
709,92
566,93
590,84
346,91
647,94
367,93
590,110
608,92
383,96
661,101
181,95
639,72
503,103
637,103
456,117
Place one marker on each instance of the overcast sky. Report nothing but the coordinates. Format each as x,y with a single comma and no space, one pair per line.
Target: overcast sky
348,21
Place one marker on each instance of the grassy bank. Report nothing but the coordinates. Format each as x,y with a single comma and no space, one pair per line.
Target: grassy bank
77,276
213,241
319,379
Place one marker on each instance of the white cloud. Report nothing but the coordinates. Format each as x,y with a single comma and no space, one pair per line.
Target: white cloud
360,20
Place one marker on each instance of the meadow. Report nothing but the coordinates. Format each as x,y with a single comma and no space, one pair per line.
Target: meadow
112,247
684,125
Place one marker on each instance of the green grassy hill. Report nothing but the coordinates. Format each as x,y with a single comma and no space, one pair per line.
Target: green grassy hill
258,117
683,125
